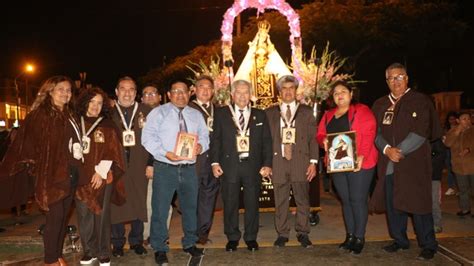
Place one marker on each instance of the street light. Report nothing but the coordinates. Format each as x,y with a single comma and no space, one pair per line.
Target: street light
29,68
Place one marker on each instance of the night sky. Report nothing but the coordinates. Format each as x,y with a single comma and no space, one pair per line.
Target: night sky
105,40
109,39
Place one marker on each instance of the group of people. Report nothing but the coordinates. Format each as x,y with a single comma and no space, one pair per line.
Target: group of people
121,164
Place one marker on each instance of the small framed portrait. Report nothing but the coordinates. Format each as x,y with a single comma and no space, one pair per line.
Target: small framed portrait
243,144
342,152
186,145
128,138
387,118
99,136
288,135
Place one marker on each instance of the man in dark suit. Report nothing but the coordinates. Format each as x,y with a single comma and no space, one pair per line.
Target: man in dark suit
294,160
208,184
241,166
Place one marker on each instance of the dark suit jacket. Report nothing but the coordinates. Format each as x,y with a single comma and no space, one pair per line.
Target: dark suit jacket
224,149
203,164
305,148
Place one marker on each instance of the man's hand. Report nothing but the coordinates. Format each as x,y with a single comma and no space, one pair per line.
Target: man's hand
394,154
198,149
149,172
172,156
360,160
266,172
217,170
96,181
311,172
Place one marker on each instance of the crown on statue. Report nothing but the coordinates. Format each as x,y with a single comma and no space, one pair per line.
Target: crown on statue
264,25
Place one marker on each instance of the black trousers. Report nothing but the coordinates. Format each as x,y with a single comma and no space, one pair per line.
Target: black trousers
230,196
207,195
135,237
95,228
397,222
56,222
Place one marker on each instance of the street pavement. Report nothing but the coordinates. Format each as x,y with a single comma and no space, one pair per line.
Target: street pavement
21,244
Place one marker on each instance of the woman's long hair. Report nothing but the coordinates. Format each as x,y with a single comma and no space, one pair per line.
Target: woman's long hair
86,96
43,99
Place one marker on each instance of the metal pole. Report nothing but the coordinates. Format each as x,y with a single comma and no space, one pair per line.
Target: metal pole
17,101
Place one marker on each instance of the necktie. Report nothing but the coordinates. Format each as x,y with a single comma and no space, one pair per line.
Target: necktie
241,119
182,122
205,106
288,113
287,152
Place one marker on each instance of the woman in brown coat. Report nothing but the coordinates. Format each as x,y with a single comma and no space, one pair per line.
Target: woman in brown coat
48,143
99,182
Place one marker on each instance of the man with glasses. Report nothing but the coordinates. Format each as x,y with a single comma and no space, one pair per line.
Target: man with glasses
151,96
405,128
165,125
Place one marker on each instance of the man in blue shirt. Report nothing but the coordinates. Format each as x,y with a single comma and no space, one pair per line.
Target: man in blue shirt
173,172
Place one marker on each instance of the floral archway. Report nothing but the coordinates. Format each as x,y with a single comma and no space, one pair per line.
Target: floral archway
279,5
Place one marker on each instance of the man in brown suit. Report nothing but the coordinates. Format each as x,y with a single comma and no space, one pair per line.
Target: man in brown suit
295,155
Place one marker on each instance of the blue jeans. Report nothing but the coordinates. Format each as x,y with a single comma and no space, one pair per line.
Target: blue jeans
166,180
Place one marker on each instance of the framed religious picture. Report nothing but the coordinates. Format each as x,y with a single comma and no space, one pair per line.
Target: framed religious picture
288,135
128,138
342,152
242,144
186,145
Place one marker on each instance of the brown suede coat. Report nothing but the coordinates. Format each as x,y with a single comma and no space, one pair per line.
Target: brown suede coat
41,146
111,149
462,165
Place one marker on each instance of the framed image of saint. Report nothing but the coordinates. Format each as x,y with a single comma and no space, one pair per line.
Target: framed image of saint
342,152
185,146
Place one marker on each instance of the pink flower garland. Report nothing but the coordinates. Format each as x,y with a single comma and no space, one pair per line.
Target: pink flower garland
280,5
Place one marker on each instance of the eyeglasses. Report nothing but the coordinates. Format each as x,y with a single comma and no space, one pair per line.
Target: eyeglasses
176,91
150,94
396,78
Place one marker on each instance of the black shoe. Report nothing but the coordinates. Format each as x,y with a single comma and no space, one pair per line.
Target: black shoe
194,251
139,249
231,245
252,245
160,258
280,241
86,260
357,246
463,213
304,241
346,245
394,247
426,254
117,252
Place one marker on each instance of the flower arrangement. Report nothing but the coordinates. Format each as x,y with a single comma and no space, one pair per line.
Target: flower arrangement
321,70
219,74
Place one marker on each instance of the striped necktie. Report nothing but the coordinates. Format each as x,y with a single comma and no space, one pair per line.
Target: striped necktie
241,119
